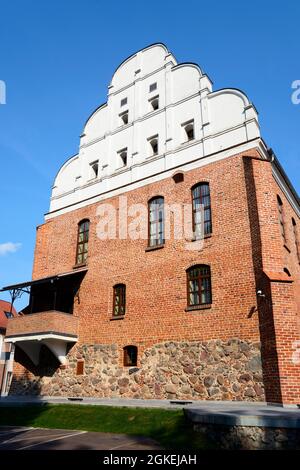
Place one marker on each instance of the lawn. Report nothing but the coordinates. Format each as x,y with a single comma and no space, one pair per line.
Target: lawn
168,427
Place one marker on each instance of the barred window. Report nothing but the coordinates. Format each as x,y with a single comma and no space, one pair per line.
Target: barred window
130,356
156,221
119,304
82,241
199,285
201,205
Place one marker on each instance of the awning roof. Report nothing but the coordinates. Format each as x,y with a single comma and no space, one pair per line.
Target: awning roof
42,280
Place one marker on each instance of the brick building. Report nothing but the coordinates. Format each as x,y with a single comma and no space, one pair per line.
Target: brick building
168,263
6,349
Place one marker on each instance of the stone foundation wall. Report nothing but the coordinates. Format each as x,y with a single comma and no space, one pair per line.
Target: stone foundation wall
250,437
212,370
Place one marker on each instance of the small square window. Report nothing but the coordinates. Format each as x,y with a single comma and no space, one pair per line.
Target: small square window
123,101
152,87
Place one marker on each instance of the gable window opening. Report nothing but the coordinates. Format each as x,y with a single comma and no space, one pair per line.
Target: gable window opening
152,87
130,356
123,157
123,101
156,222
201,210
119,302
281,218
94,170
153,141
189,131
154,102
199,286
124,118
82,242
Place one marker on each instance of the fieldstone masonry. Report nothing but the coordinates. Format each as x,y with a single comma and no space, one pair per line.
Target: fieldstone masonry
208,370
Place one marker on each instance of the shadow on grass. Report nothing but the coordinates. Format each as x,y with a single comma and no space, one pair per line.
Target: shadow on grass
169,428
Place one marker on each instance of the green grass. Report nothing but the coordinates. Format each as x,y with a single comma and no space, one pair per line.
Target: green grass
168,427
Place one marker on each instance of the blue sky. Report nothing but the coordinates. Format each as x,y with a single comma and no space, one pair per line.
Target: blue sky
57,59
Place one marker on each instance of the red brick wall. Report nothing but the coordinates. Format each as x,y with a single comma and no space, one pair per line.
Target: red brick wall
57,322
244,243
156,280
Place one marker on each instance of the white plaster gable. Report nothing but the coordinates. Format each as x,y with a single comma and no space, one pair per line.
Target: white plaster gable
221,119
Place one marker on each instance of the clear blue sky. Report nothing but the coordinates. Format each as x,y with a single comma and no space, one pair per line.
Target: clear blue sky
57,58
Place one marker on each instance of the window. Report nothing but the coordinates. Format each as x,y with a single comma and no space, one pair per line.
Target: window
82,241
189,131
94,168
80,367
201,205
119,304
286,271
153,141
130,356
8,314
198,285
123,101
296,238
152,87
156,221
154,103
123,157
124,118
281,218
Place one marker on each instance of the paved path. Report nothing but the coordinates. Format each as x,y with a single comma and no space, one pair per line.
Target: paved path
23,438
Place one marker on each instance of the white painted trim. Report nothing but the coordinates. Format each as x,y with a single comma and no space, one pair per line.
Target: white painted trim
33,337
200,162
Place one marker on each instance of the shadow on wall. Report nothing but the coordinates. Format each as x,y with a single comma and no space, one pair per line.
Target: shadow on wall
270,367
30,381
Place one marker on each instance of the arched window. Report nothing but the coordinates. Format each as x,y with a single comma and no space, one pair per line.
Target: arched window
119,303
130,356
82,241
156,221
202,223
281,218
198,285
296,238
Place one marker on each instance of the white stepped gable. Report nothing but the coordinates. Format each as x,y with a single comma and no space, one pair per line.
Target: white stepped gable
221,120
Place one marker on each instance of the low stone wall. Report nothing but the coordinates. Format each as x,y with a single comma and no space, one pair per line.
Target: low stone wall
250,437
212,370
